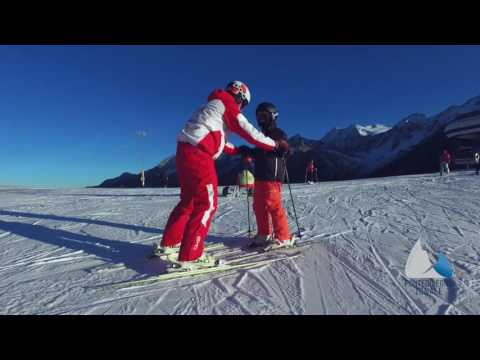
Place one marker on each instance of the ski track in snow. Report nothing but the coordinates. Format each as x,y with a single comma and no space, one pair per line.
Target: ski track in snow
58,247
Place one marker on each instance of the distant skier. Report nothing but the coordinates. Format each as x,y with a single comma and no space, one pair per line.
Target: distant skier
311,174
201,142
477,162
245,179
269,176
445,160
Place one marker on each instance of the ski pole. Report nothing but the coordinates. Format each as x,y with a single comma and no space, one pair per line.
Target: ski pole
248,214
248,208
291,197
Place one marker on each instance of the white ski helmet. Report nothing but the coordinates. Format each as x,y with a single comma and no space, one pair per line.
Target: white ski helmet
240,92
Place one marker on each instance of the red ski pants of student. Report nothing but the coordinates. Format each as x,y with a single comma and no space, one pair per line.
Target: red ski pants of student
267,204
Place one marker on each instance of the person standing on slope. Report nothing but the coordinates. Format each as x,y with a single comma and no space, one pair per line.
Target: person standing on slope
203,140
477,162
245,179
272,221
445,160
311,174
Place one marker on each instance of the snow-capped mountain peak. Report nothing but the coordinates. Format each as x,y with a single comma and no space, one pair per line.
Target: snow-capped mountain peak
371,129
353,131
353,135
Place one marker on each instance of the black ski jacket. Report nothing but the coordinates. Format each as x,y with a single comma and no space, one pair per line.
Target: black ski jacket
269,165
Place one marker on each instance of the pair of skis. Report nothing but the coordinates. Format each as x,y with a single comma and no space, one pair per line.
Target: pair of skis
230,260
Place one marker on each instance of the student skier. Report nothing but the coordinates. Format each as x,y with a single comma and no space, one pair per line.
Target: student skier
272,222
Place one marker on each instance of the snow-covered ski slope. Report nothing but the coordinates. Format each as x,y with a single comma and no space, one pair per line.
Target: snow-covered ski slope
59,247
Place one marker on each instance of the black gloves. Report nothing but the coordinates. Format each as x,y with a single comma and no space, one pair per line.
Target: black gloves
283,148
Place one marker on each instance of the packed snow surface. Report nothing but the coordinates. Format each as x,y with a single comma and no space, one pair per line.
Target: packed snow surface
59,248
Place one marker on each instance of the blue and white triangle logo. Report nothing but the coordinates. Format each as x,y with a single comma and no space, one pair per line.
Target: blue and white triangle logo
419,265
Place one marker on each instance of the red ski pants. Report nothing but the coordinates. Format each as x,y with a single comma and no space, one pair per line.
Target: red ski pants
189,222
267,204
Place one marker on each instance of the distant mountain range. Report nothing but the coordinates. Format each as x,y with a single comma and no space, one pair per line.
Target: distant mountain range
412,146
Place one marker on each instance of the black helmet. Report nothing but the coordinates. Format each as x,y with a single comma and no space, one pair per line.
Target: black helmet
269,108
266,116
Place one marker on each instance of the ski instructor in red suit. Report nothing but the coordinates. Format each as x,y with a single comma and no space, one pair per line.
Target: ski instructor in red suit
203,140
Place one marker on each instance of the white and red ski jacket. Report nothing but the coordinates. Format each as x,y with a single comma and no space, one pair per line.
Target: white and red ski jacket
209,126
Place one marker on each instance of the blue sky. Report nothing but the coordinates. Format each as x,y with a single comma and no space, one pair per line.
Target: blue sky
69,114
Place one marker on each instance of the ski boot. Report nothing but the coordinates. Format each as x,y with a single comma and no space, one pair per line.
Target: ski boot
164,251
203,262
259,241
281,244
